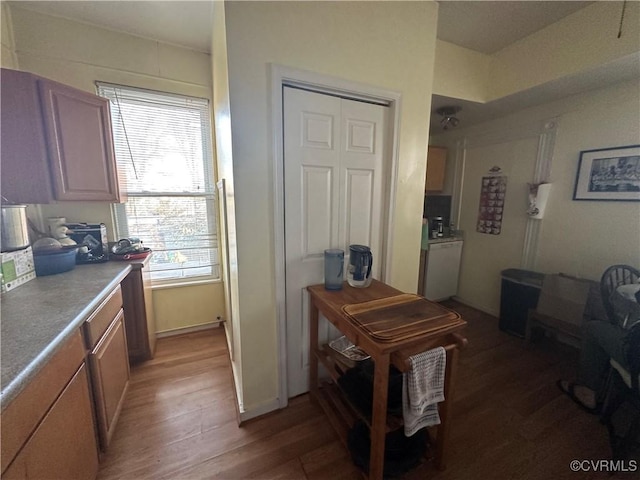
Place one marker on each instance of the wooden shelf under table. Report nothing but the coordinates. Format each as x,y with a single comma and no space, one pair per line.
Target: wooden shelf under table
397,351
342,405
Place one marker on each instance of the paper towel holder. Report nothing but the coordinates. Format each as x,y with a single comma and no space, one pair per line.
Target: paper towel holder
538,196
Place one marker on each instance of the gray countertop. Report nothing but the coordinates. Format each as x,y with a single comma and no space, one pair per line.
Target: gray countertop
40,315
454,238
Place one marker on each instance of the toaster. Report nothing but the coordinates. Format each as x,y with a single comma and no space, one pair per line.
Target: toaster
93,238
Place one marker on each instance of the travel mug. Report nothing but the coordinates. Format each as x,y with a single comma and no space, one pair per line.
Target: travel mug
333,268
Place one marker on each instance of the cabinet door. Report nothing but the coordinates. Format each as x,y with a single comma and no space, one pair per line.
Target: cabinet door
64,444
80,143
443,266
110,377
25,166
436,164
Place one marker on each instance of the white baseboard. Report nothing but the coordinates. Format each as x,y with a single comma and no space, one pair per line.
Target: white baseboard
183,330
263,409
477,307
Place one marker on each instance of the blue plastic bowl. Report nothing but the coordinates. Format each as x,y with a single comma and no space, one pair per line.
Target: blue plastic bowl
52,263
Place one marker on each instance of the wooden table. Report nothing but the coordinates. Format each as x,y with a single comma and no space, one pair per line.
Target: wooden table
330,304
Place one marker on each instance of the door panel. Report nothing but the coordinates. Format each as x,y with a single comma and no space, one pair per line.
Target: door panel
359,207
362,197
317,130
333,171
311,160
360,136
317,194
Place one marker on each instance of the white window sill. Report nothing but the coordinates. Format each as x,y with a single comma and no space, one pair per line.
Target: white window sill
165,284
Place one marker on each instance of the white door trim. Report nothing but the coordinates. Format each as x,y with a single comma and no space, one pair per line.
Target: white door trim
281,75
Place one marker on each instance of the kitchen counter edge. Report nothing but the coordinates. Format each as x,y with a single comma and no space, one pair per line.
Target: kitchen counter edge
96,290
434,241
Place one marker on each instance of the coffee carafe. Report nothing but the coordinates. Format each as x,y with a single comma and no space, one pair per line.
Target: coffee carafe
360,263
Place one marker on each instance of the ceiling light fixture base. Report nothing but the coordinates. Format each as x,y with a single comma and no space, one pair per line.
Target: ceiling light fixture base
449,120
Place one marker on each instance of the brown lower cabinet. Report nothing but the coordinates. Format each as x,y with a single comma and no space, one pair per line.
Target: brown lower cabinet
49,429
64,444
109,363
110,377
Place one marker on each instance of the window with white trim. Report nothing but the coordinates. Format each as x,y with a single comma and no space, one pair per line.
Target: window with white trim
163,150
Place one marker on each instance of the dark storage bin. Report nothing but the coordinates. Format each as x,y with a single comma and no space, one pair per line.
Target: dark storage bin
519,292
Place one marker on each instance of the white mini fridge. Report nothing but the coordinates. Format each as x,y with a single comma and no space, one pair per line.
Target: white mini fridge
442,269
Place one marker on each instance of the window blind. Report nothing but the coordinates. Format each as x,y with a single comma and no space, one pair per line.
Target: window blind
163,150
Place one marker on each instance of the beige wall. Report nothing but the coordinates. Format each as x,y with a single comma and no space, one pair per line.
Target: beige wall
79,55
580,238
389,45
576,44
577,237
460,72
7,55
579,42
188,306
224,159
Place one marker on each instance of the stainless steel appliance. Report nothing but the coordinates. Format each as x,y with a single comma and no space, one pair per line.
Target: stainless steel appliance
437,227
14,230
91,236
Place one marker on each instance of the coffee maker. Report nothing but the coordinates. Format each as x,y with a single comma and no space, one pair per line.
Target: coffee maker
437,227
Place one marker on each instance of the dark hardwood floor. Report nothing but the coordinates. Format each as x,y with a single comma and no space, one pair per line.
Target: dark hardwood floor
510,420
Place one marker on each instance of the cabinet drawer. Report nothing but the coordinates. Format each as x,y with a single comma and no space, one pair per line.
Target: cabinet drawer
24,413
100,320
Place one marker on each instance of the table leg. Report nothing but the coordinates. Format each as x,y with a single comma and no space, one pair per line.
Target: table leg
379,419
446,408
313,344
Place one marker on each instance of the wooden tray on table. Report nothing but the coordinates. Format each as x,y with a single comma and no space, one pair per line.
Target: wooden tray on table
402,317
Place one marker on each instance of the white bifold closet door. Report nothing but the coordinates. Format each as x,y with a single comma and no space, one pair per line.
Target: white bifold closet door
334,167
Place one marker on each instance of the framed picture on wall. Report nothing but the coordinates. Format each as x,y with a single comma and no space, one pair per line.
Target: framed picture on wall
609,174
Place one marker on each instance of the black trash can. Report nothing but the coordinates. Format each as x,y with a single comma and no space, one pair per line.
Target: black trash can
519,292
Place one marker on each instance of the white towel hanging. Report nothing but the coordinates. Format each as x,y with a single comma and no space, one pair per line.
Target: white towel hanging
422,389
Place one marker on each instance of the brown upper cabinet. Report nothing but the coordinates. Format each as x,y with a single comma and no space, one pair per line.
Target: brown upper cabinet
57,143
436,165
